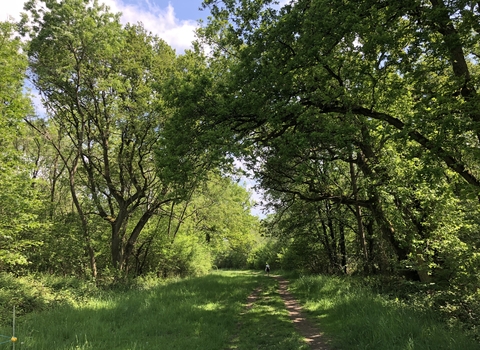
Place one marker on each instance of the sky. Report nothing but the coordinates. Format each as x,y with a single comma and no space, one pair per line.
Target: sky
172,20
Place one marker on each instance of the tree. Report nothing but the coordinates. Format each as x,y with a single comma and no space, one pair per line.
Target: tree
101,85
327,59
20,201
213,226
220,214
356,81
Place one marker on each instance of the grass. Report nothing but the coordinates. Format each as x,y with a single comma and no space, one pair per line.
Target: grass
267,325
195,313
358,319
209,313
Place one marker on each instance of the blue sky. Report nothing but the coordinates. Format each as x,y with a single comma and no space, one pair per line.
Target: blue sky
172,20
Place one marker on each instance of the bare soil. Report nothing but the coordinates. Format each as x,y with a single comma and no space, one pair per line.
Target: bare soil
311,333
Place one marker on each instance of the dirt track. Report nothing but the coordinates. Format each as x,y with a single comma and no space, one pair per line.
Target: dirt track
313,336
309,331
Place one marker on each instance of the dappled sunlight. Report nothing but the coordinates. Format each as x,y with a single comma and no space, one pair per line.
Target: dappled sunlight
184,314
265,323
365,320
210,306
98,304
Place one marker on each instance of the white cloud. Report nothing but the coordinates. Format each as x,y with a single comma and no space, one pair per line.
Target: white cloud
10,9
284,2
178,33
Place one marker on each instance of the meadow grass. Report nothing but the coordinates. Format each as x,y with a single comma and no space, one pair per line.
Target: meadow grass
194,313
356,318
209,313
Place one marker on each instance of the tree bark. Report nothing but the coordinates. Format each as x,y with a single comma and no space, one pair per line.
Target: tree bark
358,216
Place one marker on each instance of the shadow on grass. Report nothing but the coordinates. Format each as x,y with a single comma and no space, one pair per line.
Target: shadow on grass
197,313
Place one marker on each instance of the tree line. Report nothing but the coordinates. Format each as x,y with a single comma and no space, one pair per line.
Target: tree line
359,120
91,187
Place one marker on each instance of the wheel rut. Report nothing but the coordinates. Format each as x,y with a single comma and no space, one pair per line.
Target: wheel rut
313,337
311,333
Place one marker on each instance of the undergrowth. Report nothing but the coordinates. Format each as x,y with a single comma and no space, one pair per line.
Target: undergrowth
456,306
39,293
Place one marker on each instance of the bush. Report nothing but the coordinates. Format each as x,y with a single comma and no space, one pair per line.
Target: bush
39,292
266,252
185,257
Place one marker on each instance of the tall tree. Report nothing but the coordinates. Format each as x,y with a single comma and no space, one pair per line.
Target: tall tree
408,65
350,78
100,83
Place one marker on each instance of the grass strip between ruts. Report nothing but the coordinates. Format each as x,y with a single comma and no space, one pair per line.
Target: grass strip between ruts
266,324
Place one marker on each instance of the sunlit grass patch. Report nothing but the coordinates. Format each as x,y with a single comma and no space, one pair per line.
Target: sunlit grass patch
267,325
210,306
195,313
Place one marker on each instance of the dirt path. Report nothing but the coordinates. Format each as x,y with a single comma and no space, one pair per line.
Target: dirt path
313,336
309,331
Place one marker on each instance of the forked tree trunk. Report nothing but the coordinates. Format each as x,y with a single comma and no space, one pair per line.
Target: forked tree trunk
122,247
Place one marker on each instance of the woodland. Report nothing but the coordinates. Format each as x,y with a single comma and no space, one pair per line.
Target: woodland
359,121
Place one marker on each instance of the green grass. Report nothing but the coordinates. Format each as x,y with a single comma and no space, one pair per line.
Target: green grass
267,325
209,313
358,319
196,313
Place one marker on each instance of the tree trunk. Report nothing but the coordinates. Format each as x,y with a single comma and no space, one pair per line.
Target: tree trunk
326,244
388,232
365,157
86,234
358,215
343,248
122,249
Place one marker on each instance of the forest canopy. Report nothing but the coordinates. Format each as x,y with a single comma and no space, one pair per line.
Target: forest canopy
358,119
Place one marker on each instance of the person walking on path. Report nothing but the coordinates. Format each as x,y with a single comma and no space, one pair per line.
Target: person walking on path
267,269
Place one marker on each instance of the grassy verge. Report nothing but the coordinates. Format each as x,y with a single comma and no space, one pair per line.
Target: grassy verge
209,313
197,313
356,318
